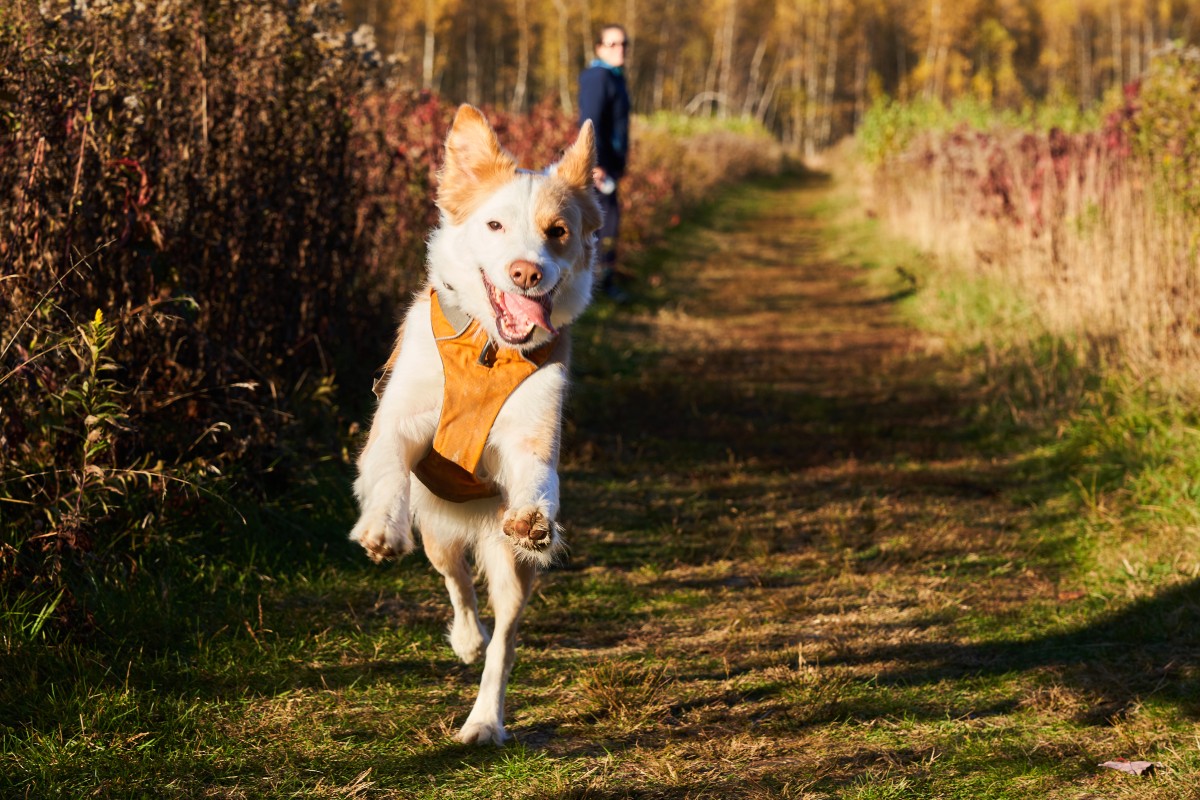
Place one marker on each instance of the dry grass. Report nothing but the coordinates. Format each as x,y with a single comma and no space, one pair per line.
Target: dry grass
1098,257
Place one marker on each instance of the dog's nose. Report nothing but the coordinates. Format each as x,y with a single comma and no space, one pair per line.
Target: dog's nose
524,274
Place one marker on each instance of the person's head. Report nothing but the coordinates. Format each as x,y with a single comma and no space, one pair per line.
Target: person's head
611,45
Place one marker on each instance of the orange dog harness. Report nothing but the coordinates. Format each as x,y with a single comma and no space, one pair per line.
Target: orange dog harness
480,377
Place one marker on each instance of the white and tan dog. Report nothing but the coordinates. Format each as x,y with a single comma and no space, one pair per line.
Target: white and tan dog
464,444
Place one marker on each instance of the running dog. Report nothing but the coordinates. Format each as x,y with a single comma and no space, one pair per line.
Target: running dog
464,445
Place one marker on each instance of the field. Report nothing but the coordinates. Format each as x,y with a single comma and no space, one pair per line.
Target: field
807,561
884,484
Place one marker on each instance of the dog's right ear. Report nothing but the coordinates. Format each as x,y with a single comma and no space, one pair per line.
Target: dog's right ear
576,166
475,165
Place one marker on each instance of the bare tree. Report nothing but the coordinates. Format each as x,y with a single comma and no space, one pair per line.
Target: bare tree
472,56
564,70
709,93
1117,42
862,63
752,82
1085,60
831,61
518,99
932,47
585,28
815,25
660,58
631,26
728,30
430,33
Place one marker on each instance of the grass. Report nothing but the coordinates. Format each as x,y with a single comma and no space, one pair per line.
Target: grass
813,556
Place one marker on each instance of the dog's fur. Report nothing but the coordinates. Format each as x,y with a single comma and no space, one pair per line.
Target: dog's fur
544,219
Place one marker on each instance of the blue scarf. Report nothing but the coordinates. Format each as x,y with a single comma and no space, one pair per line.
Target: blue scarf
600,62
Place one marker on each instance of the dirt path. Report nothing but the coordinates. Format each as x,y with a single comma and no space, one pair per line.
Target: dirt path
779,519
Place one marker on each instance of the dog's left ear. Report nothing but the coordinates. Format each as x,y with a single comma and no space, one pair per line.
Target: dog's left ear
575,168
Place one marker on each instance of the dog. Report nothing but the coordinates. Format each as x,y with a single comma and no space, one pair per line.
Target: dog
464,444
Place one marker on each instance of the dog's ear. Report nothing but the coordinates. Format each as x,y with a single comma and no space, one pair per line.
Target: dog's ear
475,164
574,171
576,166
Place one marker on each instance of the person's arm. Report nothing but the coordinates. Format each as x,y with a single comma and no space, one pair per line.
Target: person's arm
591,96
593,100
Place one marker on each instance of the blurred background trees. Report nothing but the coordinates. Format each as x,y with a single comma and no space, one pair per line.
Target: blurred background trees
807,69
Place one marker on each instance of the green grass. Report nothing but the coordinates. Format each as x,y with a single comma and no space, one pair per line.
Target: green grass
812,556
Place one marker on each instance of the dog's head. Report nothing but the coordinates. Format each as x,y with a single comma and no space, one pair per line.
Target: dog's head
514,249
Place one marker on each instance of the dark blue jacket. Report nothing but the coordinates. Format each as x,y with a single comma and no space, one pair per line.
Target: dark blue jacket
604,100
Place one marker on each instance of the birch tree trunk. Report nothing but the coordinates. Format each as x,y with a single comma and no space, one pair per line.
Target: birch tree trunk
564,57
518,98
1085,62
797,61
660,58
755,77
831,62
726,85
710,77
585,29
1135,51
630,23
931,47
1118,37
427,59
862,63
766,101
472,57
814,27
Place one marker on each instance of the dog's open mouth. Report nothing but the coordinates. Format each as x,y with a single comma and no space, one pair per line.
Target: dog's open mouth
517,316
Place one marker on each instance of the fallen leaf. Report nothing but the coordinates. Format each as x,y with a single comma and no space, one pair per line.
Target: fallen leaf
1132,767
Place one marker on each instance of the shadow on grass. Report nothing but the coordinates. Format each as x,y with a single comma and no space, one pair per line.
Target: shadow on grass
1147,651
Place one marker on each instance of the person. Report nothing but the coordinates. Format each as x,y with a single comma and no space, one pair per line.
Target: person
604,99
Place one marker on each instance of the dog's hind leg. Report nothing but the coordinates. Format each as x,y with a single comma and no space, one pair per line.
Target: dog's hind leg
468,637
510,581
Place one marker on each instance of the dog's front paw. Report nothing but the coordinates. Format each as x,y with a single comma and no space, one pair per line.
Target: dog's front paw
528,527
383,535
482,733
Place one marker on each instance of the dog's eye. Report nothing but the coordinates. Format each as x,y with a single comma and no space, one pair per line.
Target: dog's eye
556,231
496,226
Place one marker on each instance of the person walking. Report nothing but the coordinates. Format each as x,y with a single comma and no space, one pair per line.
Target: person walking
604,99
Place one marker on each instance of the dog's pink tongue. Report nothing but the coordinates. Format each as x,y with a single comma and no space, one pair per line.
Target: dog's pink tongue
527,312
